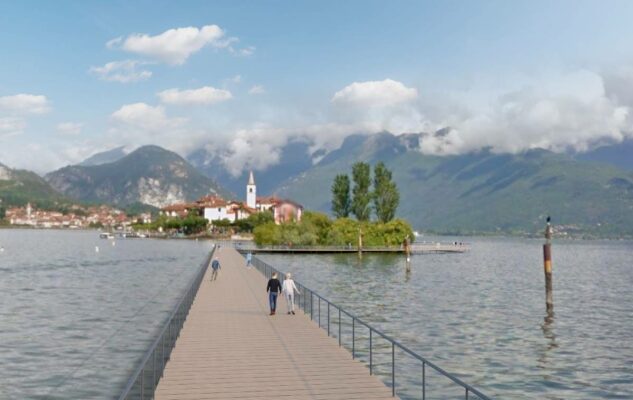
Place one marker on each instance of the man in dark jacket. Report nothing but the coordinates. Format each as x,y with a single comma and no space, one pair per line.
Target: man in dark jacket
273,288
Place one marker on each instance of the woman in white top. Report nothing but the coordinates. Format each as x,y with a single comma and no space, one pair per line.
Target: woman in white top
289,288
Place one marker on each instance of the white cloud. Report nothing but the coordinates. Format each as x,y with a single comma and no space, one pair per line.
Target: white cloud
246,51
23,104
146,118
203,95
10,126
571,111
69,128
375,94
139,124
376,106
173,46
257,147
122,71
257,89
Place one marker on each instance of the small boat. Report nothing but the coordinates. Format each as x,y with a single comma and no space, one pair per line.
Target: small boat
106,235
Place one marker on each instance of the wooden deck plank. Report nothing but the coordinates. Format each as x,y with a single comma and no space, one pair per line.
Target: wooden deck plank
230,348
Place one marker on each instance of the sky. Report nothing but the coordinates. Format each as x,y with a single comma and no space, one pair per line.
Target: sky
242,78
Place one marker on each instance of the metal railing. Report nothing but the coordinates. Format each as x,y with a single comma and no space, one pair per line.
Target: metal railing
142,384
310,302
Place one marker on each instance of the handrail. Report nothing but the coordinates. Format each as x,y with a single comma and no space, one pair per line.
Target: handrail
267,270
137,387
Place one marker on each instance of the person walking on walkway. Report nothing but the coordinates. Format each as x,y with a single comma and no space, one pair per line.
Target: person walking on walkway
215,266
289,288
274,289
249,259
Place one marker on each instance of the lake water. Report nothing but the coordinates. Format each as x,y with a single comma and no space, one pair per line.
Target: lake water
482,315
74,322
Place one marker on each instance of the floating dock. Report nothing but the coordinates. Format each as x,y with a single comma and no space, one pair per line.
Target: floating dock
230,348
416,248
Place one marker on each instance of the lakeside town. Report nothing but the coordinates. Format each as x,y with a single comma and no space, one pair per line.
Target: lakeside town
77,217
211,208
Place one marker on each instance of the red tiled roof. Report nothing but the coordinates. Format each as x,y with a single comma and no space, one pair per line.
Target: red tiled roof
177,207
268,200
286,201
211,201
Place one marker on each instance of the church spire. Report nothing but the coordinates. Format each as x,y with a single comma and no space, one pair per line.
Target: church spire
251,179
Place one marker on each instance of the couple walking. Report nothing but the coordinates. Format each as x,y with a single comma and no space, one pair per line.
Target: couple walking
274,288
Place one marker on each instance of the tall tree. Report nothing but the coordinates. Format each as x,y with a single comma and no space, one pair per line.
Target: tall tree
386,196
341,202
361,196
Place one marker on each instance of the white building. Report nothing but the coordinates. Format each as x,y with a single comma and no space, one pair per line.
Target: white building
251,192
214,208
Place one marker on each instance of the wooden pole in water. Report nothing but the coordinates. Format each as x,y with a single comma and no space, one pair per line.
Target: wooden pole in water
360,242
407,253
547,267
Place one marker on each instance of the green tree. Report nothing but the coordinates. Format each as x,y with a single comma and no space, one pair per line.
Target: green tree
192,224
3,212
317,225
344,231
361,195
255,220
341,202
266,234
386,196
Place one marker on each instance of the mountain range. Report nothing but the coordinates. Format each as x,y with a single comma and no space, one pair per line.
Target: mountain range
479,192
617,154
482,191
149,175
18,187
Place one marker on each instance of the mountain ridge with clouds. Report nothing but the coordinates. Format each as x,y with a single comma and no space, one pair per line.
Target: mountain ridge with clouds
148,175
483,191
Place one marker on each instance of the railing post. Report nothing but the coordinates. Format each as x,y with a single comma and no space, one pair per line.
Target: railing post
423,380
319,311
143,384
339,327
311,305
393,369
353,338
371,358
328,318
154,370
371,365
466,394
162,364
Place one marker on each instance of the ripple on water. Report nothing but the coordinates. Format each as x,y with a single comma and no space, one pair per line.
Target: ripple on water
76,322
482,314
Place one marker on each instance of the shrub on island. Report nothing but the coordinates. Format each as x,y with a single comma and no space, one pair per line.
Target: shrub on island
317,229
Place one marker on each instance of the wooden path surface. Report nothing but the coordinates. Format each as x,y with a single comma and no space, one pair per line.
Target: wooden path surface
230,348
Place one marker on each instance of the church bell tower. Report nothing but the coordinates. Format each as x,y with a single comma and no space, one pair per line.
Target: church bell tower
251,191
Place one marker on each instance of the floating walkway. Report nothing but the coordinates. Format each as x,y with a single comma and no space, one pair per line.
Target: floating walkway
230,348
416,248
